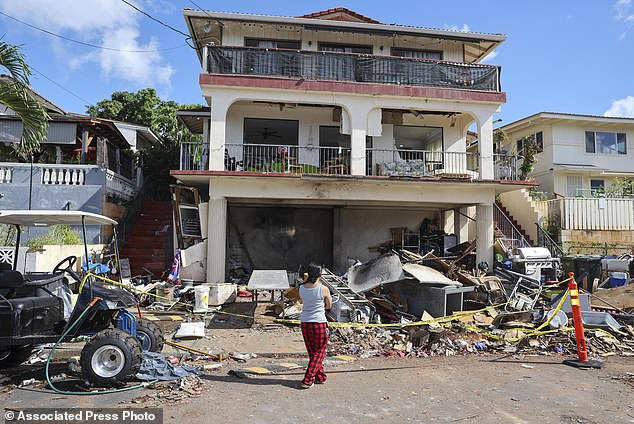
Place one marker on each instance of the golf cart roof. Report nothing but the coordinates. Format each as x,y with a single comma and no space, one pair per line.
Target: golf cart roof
45,218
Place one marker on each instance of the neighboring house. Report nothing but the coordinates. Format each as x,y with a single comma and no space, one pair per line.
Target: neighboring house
325,131
580,161
84,163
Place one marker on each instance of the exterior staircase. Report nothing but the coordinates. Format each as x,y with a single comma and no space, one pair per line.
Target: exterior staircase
149,243
515,226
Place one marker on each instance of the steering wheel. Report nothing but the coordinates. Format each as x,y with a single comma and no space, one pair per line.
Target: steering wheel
71,261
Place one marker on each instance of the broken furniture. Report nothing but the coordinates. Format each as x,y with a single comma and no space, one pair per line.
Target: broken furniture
270,280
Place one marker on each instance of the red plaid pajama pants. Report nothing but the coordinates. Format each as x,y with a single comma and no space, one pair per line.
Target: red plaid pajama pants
316,339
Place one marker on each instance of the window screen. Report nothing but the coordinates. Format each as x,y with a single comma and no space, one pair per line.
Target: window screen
573,183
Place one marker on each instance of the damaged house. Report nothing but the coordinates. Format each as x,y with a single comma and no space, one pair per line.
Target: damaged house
331,133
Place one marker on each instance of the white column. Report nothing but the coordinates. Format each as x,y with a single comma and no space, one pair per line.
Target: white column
484,236
363,121
485,147
357,155
216,240
218,128
460,225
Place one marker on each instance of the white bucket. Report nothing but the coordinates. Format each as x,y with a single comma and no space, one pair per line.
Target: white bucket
202,297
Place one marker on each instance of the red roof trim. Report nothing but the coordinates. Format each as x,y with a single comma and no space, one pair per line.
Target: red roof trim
351,87
345,10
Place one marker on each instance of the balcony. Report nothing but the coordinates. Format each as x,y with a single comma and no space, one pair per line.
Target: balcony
346,67
321,160
67,176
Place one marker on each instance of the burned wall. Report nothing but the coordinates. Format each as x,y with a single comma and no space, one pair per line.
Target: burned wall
278,237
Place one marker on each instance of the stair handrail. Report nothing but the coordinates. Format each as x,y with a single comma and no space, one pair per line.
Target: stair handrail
506,226
545,240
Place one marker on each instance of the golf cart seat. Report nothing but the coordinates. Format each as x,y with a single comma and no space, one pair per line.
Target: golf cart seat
10,279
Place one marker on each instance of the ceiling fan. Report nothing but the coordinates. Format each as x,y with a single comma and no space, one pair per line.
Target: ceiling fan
266,134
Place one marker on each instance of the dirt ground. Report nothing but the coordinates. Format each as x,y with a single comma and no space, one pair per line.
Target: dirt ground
474,388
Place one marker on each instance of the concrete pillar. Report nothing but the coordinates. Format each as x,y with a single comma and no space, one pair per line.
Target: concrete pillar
485,146
460,225
219,108
216,240
484,236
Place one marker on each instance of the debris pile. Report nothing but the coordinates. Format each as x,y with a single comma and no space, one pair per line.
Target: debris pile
174,392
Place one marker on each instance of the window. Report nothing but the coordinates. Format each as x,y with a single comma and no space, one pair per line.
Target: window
537,139
606,143
273,44
417,54
597,185
344,48
573,184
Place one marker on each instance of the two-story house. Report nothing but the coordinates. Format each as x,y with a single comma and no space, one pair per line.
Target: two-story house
326,131
583,166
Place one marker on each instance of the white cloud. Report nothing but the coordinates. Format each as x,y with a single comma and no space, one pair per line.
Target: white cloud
490,56
622,107
623,12
106,23
464,28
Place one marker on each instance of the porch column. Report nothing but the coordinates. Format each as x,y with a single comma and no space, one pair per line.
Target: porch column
216,240
460,225
363,121
485,146
217,132
484,233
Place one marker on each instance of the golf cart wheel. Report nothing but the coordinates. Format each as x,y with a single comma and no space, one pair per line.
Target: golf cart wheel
15,356
150,335
110,358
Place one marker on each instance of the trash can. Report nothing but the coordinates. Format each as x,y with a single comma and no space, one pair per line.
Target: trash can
587,268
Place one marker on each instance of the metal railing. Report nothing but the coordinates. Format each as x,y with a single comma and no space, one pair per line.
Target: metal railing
513,237
545,240
332,66
506,167
421,163
287,158
194,156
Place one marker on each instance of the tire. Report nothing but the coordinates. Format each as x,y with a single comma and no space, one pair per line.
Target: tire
150,335
16,356
110,358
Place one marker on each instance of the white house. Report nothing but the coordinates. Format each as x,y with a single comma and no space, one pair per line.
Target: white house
327,130
579,157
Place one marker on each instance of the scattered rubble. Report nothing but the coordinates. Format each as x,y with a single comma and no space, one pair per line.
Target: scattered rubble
172,393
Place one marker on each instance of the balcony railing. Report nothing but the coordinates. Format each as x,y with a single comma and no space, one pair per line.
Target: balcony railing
506,167
318,65
287,158
421,163
194,156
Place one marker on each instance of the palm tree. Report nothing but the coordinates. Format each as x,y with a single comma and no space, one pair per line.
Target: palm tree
14,94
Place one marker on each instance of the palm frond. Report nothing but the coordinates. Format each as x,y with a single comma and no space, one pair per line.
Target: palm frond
34,118
13,60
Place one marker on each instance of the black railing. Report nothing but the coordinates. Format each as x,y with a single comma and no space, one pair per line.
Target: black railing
545,240
317,65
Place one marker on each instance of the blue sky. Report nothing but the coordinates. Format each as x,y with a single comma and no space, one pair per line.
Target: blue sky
563,56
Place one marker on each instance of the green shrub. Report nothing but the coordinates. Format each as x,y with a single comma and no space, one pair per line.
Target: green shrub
59,234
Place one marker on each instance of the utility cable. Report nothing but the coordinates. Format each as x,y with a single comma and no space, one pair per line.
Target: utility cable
154,19
89,44
60,86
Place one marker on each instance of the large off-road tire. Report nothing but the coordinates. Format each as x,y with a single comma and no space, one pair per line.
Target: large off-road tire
150,335
15,356
110,358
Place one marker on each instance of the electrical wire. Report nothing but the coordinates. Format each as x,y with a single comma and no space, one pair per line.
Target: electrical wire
60,86
89,44
154,19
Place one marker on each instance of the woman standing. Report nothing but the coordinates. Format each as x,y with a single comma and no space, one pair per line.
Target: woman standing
316,299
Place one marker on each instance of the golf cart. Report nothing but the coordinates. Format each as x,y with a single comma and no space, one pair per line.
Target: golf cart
37,308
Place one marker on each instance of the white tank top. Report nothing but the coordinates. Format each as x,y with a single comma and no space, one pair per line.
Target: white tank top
313,304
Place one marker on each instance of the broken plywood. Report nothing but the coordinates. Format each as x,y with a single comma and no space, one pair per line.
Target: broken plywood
427,275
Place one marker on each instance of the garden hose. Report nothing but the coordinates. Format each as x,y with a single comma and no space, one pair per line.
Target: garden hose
50,356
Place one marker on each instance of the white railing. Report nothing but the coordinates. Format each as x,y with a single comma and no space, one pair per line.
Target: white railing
421,163
64,174
194,156
7,255
6,174
287,159
513,237
589,214
506,167
119,185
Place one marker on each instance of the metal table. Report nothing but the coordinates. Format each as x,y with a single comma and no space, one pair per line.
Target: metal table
271,280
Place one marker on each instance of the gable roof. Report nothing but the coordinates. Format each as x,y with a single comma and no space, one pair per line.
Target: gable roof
340,14
48,105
